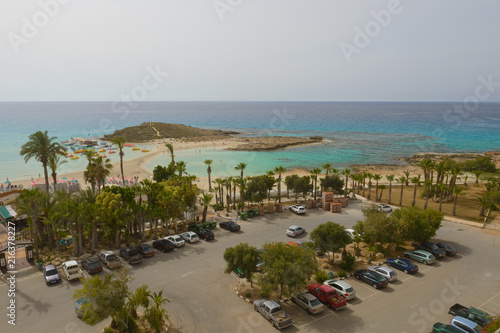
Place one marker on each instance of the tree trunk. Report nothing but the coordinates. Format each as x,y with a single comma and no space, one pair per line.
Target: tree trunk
279,188
390,192
414,196
94,236
441,200
453,212
80,238
117,235
204,216
401,195
156,228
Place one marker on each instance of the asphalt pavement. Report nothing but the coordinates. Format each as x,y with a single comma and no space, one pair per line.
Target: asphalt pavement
202,298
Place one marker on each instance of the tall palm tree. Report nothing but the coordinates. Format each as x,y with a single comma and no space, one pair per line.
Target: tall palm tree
209,171
29,203
315,172
369,176
120,142
477,173
279,170
171,150
102,168
327,167
390,178
402,180
41,146
205,200
54,163
364,175
442,189
89,155
241,167
415,180
426,165
428,185
407,176
376,177
457,191
346,173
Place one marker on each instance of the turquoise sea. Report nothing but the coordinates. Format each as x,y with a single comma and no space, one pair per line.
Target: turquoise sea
356,132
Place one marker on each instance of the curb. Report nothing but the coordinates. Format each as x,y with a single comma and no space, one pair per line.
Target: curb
240,296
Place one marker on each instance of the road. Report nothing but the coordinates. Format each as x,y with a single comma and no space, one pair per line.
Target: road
202,297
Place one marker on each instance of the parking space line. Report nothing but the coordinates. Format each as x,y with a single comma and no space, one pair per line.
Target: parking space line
314,320
489,300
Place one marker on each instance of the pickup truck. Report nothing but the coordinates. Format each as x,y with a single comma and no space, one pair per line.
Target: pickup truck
273,312
328,296
71,270
479,317
109,259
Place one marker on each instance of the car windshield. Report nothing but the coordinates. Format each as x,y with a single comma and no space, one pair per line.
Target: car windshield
315,302
178,239
392,273
112,257
379,278
51,272
349,290
147,248
132,252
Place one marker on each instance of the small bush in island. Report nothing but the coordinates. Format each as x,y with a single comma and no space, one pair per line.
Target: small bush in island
341,274
348,263
321,276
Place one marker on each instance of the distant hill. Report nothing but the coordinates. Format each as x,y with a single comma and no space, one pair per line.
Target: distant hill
152,131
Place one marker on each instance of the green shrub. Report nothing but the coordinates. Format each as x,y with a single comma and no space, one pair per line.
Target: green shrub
321,276
247,295
108,330
348,262
341,274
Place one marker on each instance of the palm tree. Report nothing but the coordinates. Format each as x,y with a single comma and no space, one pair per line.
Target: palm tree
477,173
376,177
315,172
120,142
41,146
407,176
209,171
102,168
457,191
171,150
465,180
369,176
279,170
363,176
29,203
54,163
426,165
416,181
346,173
402,180
382,188
241,167
428,185
390,178
327,167
205,200
180,167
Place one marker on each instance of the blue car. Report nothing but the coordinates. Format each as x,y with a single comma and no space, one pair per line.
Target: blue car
402,264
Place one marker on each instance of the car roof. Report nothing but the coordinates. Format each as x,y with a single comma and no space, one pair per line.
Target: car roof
107,252
307,296
191,233
383,268
294,226
341,283
50,266
70,262
464,321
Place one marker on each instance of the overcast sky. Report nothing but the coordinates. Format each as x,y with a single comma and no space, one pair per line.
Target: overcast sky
263,50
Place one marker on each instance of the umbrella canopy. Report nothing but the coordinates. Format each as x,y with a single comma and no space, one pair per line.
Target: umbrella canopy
7,182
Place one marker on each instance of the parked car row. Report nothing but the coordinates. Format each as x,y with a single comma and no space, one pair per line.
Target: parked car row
132,254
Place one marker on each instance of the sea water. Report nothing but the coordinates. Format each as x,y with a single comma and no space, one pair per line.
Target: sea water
354,132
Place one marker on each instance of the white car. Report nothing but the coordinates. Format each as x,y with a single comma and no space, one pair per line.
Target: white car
342,288
190,237
71,270
177,240
386,272
294,231
384,208
351,232
298,209
308,302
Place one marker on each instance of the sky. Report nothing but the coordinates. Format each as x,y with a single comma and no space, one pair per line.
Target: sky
242,50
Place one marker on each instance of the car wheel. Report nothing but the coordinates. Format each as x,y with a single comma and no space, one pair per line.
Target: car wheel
308,311
293,300
328,305
374,285
426,262
272,322
255,308
357,276
407,256
406,271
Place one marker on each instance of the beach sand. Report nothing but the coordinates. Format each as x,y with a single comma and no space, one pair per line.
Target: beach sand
135,167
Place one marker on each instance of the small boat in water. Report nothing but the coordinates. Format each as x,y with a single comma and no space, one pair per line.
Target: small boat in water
75,157
79,151
104,156
145,150
136,148
102,150
70,155
112,152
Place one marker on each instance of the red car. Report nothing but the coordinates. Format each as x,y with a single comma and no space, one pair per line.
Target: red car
328,296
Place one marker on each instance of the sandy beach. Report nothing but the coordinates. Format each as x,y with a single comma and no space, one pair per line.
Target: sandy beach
135,167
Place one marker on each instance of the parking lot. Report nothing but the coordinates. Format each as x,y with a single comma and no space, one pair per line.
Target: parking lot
202,298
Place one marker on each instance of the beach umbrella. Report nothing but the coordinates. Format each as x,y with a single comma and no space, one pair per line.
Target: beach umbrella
7,182
63,178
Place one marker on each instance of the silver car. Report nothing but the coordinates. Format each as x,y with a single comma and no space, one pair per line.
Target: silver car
177,240
190,237
342,288
308,302
386,272
421,255
295,230
465,325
